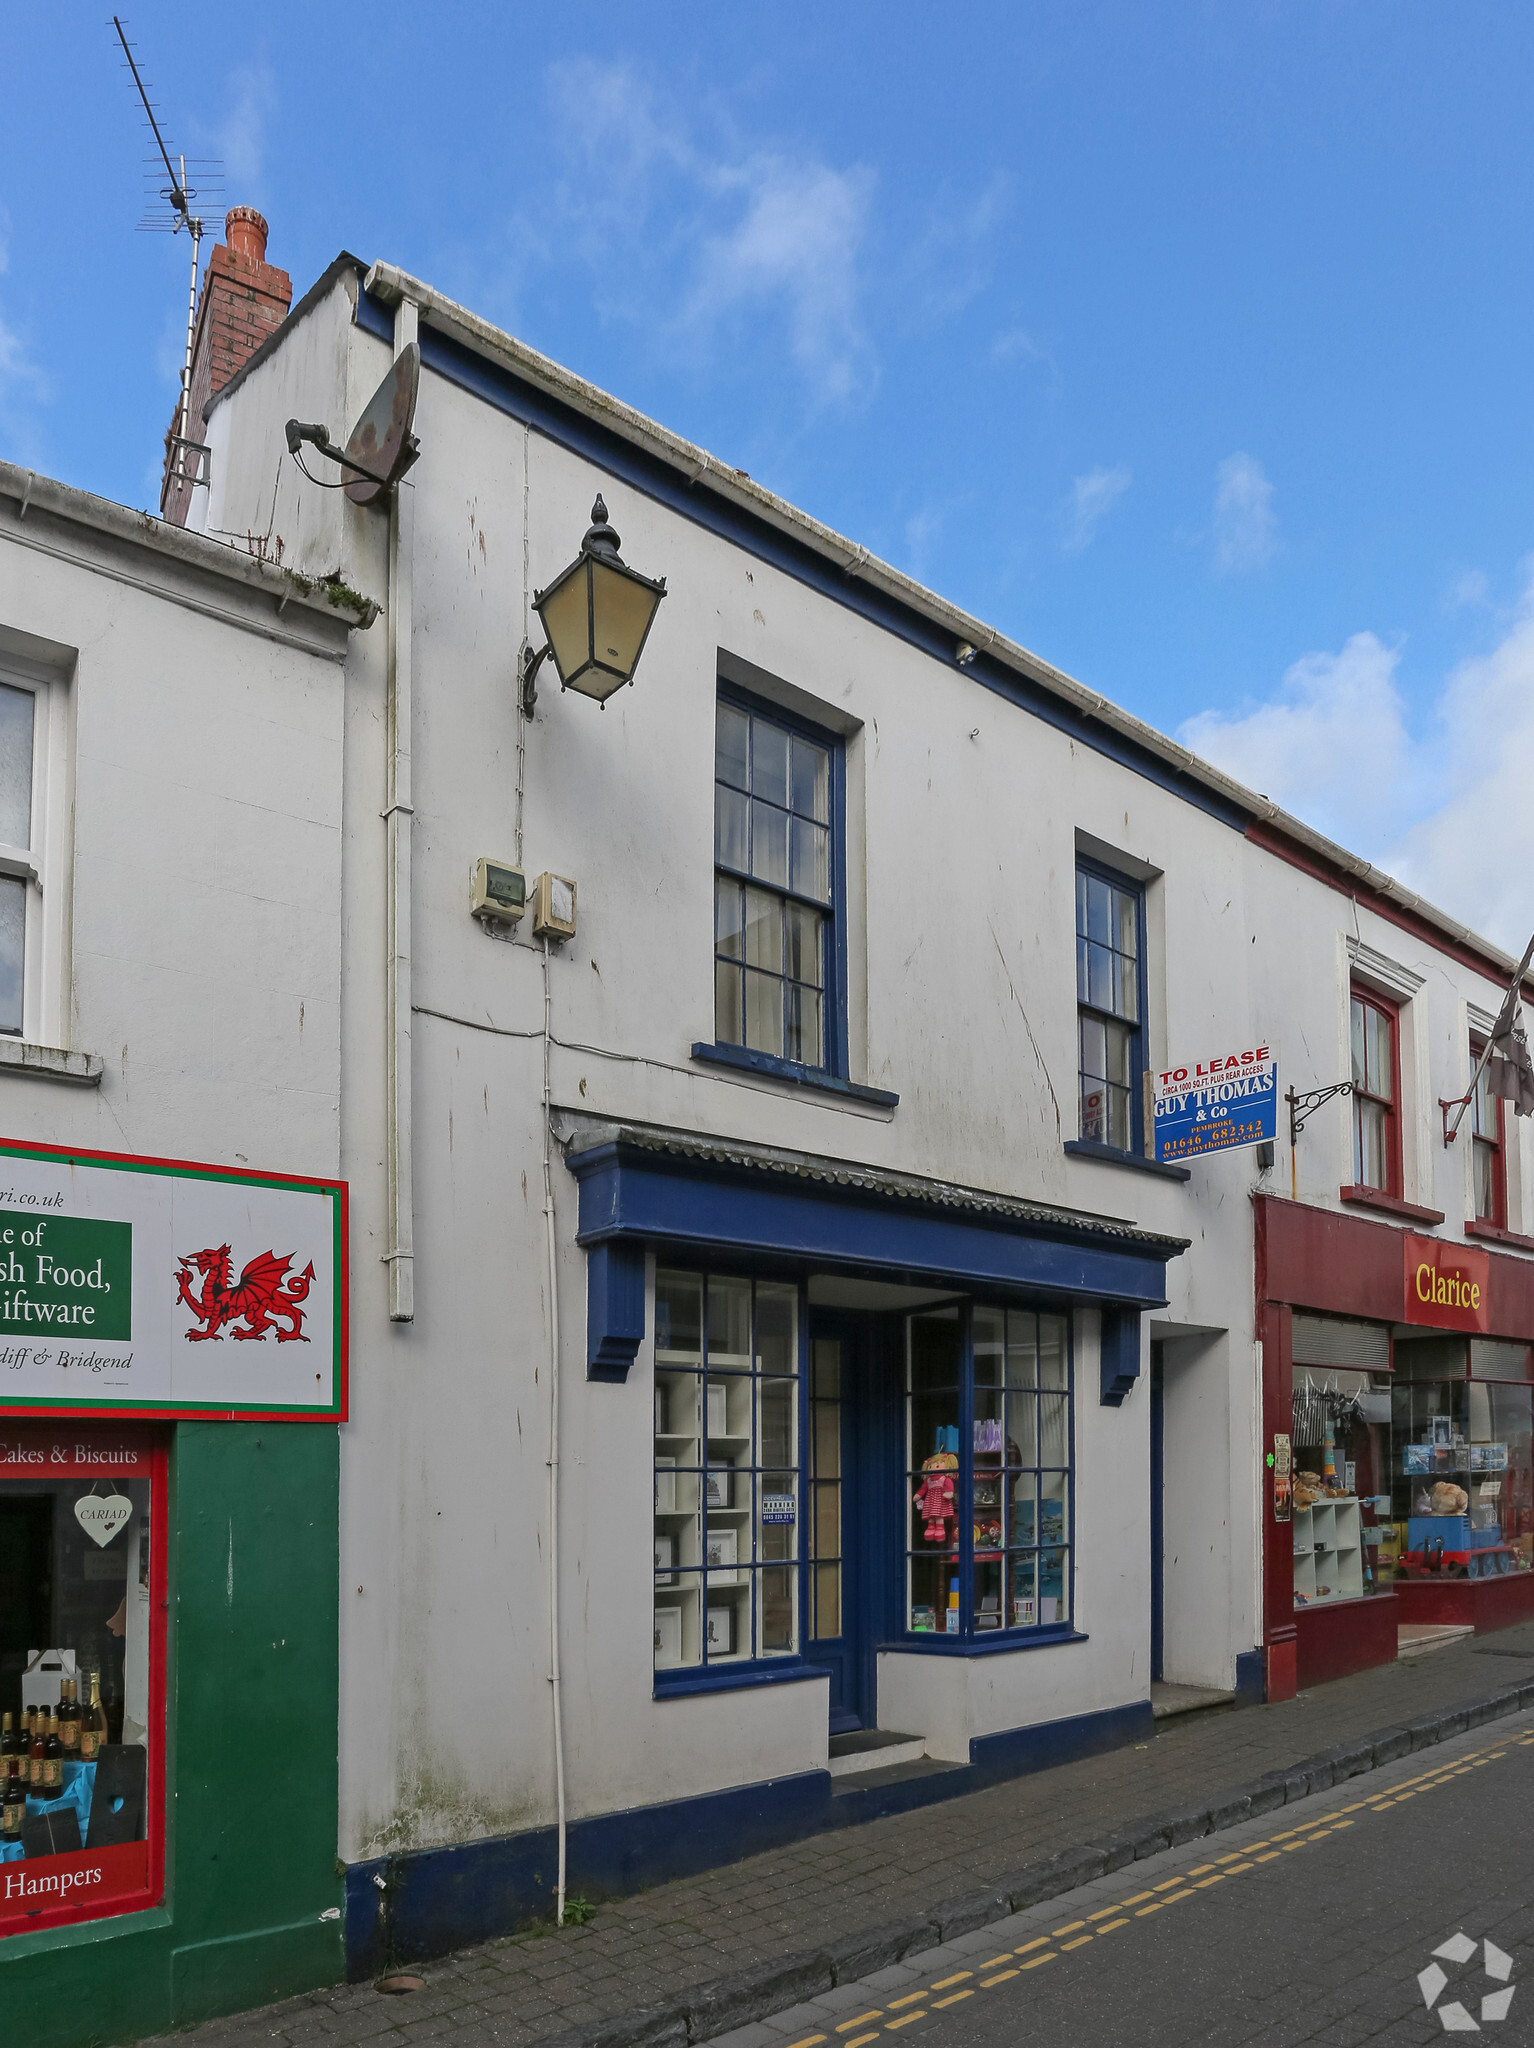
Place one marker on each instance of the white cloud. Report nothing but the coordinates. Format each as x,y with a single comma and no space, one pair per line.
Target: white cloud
1245,530
1331,747
703,241
1471,588
947,263
1092,497
1473,852
794,245
242,132
1017,345
1444,807
23,386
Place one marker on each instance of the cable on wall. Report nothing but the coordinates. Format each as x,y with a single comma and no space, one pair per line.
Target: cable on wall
548,1222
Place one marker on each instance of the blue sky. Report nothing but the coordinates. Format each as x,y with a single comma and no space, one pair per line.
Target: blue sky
1188,344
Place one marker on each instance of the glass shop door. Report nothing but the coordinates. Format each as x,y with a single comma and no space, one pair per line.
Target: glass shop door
848,1598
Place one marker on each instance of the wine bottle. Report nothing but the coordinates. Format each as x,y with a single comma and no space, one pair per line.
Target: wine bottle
53,1758
37,1750
15,1810
7,1741
69,1719
93,1724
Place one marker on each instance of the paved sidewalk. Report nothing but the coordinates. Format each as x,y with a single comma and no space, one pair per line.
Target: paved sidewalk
642,1952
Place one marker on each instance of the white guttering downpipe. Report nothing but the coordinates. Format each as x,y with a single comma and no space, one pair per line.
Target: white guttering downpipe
398,820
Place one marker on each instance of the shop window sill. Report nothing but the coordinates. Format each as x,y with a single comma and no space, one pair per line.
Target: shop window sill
1389,1205
680,1681
1360,1599
104,1925
1110,1155
1495,1234
50,1063
990,1644
815,1079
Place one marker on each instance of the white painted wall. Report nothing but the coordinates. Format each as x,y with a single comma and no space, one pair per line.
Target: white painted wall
963,816
197,877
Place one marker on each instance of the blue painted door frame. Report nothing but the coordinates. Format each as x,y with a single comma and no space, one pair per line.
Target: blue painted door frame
872,1467
1157,1541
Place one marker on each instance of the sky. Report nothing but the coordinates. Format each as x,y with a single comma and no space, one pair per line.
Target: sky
1187,344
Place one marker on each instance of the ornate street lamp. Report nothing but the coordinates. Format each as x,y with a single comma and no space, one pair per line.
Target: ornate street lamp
596,617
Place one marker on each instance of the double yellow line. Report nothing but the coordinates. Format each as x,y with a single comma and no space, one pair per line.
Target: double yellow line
858,2032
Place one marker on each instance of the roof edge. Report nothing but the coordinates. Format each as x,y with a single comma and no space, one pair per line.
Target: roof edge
142,530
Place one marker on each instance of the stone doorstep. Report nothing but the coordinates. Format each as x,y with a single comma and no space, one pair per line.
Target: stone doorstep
1168,1700
872,1749
1416,1638
709,2010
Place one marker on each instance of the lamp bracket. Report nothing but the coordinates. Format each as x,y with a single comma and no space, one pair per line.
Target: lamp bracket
1304,1105
530,665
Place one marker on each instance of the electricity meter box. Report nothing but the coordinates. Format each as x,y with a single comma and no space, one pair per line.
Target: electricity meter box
499,891
553,907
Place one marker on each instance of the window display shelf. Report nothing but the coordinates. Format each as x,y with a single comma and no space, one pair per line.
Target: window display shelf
1328,1547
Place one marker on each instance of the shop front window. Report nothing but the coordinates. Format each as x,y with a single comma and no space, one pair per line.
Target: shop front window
1341,1477
726,1470
1462,1488
1490,1189
990,1525
1376,1127
81,1672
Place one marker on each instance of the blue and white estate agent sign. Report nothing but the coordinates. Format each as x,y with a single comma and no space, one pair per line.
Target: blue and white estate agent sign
1216,1104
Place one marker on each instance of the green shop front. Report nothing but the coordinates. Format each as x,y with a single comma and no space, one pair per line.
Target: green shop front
172,1380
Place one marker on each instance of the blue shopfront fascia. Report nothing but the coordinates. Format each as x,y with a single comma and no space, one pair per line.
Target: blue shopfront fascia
636,1197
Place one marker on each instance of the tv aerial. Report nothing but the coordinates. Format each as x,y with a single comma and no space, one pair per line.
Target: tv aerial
381,446
179,196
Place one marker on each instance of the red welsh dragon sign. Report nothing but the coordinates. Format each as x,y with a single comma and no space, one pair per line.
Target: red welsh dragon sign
264,1292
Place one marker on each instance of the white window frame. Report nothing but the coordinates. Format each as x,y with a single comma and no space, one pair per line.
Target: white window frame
42,865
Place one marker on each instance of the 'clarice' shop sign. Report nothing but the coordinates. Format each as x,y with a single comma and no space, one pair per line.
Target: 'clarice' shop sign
1448,1286
1215,1104
153,1287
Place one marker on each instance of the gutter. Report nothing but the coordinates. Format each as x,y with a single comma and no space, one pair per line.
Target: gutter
142,533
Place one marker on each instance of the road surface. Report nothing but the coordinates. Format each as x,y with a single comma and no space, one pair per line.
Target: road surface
1362,1916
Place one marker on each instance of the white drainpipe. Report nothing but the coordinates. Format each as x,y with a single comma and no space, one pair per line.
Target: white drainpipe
398,819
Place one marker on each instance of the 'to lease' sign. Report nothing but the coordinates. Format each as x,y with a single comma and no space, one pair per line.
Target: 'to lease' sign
1216,1104
1447,1285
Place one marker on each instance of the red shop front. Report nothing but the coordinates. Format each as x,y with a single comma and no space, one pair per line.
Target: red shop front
1398,1438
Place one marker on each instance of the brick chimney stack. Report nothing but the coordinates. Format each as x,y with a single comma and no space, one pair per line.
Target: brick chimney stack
244,299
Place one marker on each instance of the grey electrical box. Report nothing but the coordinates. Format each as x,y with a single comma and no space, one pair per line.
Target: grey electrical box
499,891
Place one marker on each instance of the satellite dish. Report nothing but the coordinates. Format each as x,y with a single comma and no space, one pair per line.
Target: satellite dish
382,447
